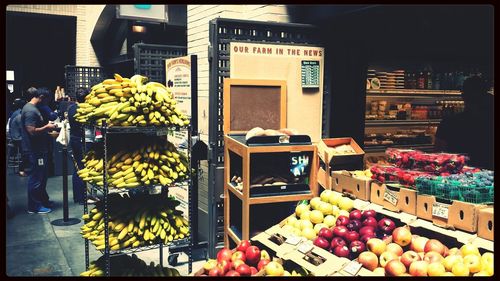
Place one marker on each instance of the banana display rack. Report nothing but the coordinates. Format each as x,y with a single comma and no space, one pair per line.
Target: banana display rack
167,228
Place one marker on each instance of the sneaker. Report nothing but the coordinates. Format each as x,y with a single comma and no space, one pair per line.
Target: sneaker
42,210
49,204
91,201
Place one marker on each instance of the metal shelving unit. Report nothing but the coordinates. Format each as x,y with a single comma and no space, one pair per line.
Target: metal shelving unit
378,123
185,244
382,148
412,92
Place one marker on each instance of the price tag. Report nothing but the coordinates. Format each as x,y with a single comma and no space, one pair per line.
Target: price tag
162,132
440,210
391,196
305,247
293,240
155,190
352,268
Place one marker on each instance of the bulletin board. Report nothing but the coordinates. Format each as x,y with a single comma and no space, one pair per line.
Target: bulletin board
250,103
302,67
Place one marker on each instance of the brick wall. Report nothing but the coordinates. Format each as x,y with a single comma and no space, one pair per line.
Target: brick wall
86,18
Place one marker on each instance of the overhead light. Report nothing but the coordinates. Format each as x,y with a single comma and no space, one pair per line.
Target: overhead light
138,28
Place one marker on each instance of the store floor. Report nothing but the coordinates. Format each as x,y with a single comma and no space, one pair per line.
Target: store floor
37,248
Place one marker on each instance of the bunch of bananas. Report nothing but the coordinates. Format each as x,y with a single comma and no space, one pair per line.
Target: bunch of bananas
125,265
129,102
140,221
150,161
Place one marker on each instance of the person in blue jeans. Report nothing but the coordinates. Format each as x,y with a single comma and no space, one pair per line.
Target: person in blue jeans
76,137
35,141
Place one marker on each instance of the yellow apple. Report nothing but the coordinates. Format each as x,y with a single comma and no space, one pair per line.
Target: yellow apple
487,258
297,224
344,213
473,262
325,208
449,261
308,233
286,273
435,269
460,269
274,269
315,202
335,210
287,228
329,220
300,209
297,232
306,224
316,216
325,195
291,220
454,251
334,198
318,227
346,204
481,273
469,249
447,274
305,215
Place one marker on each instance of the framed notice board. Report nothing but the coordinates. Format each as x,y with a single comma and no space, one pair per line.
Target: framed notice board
310,74
250,103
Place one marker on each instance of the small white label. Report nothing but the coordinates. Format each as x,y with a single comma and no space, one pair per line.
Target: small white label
293,240
352,268
440,210
155,190
391,196
40,162
305,247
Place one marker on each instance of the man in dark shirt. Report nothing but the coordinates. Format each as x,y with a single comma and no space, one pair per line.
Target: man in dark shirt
35,141
471,132
15,132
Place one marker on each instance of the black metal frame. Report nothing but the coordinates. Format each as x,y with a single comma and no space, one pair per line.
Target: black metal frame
185,244
149,59
222,32
81,76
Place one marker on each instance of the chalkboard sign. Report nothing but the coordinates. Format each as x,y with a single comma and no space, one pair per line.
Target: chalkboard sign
310,74
254,103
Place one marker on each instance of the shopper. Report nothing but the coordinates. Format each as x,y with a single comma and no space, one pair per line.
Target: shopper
48,115
76,138
15,133
35,141
471,132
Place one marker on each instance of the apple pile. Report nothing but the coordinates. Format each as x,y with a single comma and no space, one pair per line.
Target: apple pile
393,174
414,255
351,234
245,260
437,163
322,212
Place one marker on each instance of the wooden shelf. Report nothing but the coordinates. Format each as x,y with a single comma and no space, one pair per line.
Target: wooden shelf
413,92
380,123
382,148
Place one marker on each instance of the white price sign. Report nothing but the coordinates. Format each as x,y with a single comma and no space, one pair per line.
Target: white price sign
440,210
305,247
352,268
391,196
293,240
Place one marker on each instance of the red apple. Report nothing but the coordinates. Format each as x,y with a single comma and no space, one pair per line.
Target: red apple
252,255
418,268
357,247
351,236
236,263
224,254
326,233
386,225
216,271
244,270
401,236
262,264
408,257
369,260
232,273
341,251
322,243
244,244
366,229
367,237
395,248
433,256
370,221
385,257
368,213
340,231
342,220
253,270
395,268
418,243
337,241
434,245
354,225
238,255
387,238
355,215
225,266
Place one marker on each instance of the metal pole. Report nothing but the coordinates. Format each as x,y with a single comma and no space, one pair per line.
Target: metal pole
65,220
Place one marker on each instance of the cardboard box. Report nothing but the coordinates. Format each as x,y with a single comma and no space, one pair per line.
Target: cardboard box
327,262
274,238
485,224
337,162
324,178
394,197
450,214
344,181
